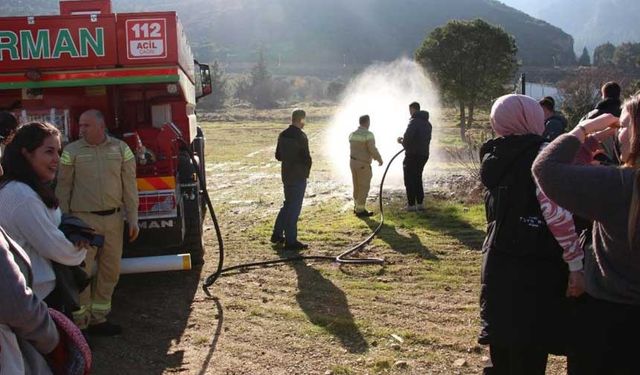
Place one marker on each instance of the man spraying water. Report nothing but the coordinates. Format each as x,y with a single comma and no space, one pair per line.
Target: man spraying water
416,142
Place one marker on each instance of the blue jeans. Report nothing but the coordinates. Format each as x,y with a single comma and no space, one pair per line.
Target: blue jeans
287,220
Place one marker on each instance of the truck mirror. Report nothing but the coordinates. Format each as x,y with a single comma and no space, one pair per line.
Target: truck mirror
205,80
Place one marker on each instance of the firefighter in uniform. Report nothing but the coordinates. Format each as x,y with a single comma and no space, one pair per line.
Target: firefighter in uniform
363,151
97,183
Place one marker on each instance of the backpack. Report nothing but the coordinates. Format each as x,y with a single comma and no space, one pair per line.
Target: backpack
516,225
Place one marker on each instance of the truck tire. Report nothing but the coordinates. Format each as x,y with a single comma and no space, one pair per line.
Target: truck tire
192,204
194,234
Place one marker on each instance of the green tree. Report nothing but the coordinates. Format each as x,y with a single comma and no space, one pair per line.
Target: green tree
626,57
603,54
219,86
585,59
471,62
259,88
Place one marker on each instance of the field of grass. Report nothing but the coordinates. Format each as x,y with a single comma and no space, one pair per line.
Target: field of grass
417,314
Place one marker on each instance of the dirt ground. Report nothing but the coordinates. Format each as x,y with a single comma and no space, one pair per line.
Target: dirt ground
417,314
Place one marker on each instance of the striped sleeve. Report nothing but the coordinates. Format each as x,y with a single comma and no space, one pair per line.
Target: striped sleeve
66,158
127,154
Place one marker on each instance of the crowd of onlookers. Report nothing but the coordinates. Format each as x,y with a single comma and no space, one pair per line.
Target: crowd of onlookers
561,265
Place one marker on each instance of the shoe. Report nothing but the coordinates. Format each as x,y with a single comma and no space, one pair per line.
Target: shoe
276,239
296,246
420,207
105,329
364,213
411,209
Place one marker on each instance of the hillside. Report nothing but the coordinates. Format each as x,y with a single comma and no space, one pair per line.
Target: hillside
590,21
352,32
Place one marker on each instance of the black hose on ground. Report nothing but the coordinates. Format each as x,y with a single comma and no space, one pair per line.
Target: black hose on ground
342,258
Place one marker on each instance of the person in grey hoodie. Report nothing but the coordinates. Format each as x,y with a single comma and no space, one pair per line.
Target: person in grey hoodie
607,321
416,142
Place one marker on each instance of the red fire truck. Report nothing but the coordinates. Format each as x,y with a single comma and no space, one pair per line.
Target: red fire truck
137,69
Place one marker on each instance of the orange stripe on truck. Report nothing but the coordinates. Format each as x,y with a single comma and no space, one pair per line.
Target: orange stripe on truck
156,183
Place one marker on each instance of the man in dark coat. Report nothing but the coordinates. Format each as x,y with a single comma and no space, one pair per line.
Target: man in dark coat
610,103
293,152
416,142
554,123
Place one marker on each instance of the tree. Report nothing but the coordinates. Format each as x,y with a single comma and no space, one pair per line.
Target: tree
626,57
585,59
603,54
219,87
471,62
259,88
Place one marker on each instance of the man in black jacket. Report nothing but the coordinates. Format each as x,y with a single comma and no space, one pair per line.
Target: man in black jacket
554,123
612,104
416,142
293,152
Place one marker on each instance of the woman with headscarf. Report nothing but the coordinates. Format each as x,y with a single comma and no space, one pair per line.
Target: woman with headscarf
609,313
532,258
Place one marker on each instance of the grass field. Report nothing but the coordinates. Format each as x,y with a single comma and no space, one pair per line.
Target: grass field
417,314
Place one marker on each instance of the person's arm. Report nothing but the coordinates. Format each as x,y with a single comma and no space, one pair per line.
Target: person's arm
561,225
43,236
409,137
130,191
64,184
20,309
373,150
278,150
587,191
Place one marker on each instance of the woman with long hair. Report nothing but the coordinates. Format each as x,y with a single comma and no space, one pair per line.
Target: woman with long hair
532,258
28,206
609,323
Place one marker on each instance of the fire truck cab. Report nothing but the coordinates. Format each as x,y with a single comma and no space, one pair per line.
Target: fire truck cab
139,71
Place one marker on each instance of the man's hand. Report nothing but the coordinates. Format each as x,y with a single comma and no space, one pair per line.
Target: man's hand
400,139
576,284
134,231
81,244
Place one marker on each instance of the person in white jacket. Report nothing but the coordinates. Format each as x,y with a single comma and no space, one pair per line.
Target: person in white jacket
29,210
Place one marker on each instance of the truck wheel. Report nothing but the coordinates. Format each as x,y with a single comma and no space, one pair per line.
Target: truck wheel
194,234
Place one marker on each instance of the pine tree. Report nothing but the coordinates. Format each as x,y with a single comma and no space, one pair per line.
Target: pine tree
585,59
219,86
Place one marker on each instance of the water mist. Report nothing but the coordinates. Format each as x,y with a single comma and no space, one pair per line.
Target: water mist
384,92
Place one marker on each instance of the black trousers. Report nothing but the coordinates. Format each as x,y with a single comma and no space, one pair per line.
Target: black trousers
605,338
508,360
413,166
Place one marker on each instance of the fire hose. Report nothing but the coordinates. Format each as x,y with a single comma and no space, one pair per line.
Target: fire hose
342,258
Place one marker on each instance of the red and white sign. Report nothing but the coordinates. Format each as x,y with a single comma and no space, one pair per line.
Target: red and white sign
146,38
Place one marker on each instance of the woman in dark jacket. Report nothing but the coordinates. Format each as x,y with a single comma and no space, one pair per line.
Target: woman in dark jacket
609,314
525,270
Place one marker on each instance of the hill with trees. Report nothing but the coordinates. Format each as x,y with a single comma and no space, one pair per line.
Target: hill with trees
591,22
340,32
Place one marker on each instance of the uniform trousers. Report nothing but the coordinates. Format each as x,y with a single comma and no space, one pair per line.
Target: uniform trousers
95,300
361,175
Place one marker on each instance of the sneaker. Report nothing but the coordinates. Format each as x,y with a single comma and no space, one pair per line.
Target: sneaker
411,209
364,213
276,239
296,246
105,329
